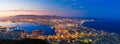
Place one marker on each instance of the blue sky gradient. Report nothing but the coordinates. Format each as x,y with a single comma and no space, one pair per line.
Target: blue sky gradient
78,8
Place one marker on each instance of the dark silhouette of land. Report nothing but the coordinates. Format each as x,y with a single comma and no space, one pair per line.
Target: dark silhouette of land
24,41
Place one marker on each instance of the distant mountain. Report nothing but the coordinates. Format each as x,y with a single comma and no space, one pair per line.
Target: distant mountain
48,16
43,17
37,16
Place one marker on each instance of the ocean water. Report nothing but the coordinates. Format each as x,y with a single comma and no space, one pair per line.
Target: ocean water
106,25
29,27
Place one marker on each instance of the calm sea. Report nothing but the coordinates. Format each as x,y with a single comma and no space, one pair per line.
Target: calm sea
29,27
106,25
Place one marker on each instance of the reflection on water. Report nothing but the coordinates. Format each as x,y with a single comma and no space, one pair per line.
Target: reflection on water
29,27
9,24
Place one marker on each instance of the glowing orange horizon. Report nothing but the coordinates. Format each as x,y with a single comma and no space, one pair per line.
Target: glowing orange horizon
5,13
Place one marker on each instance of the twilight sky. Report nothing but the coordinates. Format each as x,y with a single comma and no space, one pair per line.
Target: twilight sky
76,8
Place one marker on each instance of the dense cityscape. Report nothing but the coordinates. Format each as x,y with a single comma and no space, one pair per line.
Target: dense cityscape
67,31
59,21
